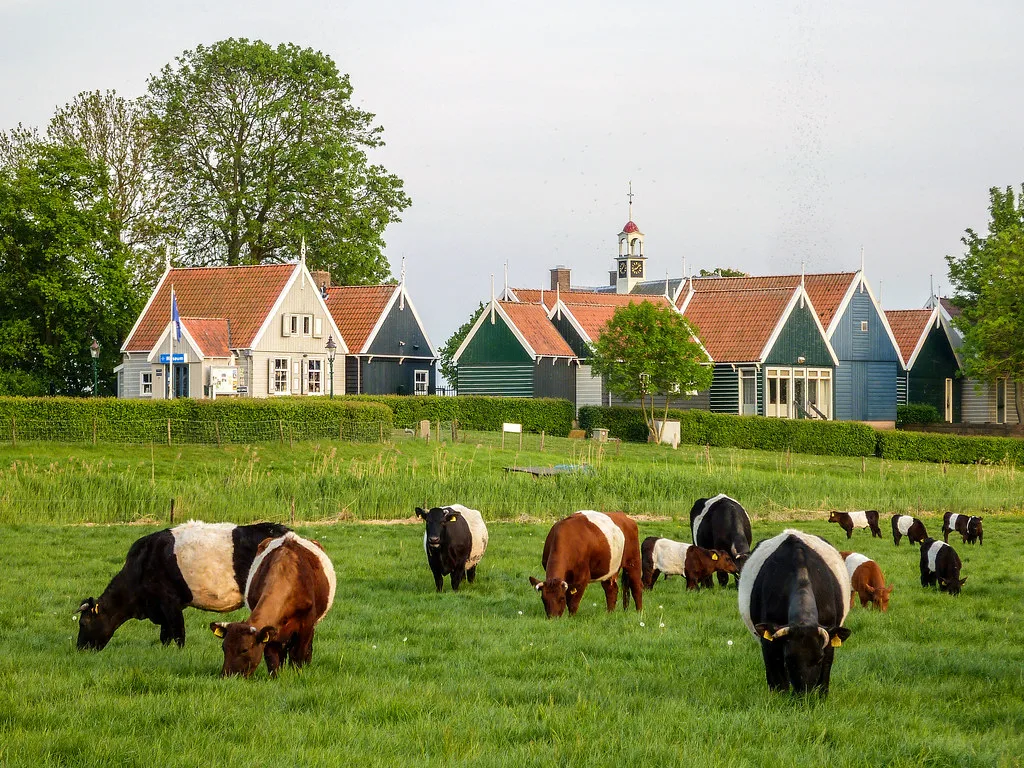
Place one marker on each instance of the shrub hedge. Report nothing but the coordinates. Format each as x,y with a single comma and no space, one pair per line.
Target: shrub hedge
953,449
917,413
835,438
64,419
477,412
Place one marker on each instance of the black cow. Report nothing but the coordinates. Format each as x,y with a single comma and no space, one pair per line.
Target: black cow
203,565
911,527
721,523
455,540
794,597
940,564
967,526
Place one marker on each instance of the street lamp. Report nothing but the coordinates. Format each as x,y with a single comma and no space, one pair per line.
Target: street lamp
332,349
94,350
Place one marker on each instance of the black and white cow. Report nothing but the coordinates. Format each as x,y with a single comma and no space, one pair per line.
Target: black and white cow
967,526
455,540
721,523
940,564
794,596
911,527
203,565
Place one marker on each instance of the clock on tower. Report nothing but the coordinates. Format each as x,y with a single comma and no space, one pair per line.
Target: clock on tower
636,269
622,268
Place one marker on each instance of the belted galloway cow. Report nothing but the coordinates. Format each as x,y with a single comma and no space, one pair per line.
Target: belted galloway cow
455,540
722,523
968,526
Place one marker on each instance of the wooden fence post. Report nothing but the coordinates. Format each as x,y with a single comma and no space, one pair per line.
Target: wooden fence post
291,516
503,439
339,430
216,428
381,425
14,432
94,430
168,431
291,443
520,440
542,441
172,510
280,427
863,465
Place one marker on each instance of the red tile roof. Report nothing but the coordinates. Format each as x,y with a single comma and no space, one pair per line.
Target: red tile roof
356,310
908,325
593,317
242,295
735,325
533,296
539,332
210,335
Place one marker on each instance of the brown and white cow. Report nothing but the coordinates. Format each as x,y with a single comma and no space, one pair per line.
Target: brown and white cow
967,526
674,558
850,520
290,587
867,581
911,527
585,547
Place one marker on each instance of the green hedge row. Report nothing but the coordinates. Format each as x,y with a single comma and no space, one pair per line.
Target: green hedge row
917,413
953,449
63,419
835,438
476,412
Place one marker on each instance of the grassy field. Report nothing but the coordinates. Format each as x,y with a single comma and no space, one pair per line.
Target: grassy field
43,483
402,676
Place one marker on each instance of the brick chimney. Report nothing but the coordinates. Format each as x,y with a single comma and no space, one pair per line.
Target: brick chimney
321,278
560,278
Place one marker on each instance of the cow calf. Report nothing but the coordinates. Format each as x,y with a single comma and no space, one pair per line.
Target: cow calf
967,526
911,527
867,581
674,558
850,520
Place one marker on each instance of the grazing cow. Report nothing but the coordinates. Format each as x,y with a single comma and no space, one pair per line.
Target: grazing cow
590,546
794,596
674,558
866,580
967,526
940,564
203,565
290,587
911,527
721,523
455,540
850,520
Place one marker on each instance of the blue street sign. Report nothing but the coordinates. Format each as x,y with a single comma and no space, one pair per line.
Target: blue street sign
178,357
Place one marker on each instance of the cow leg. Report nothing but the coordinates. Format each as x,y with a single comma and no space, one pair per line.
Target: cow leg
301,650
611,593
691,583
896,536
272,654
707,582
849,533
636,587
945,535
174,624
655,575
438,578
575,597
457,576
875,533
471,574
723,578
775,665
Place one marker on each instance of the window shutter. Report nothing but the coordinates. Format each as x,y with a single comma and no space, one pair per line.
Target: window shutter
270,374
296,376
318,327
286,329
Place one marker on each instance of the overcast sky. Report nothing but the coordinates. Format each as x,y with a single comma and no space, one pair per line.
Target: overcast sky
756,135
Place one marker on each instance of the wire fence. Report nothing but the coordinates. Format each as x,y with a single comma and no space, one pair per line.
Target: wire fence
14,431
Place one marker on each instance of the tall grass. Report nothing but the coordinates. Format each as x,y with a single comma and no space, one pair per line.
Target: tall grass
337,481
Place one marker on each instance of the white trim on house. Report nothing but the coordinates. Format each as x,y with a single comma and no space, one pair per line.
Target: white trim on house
560,307
859,281
798,292
494,306
154,354
937,320
145,309
399,291
275,310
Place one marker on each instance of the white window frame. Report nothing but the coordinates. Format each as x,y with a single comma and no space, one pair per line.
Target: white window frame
314,384
417,380
142,383
744,375
279,385
307,325
318,327
864,325
293,325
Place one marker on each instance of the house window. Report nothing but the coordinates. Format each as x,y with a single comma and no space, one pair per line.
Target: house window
307,325
864,325
280,384
293,324
748,393
778,392
146,384
421,379
314,377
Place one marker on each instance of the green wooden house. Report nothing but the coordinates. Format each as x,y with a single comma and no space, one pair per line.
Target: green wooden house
930,372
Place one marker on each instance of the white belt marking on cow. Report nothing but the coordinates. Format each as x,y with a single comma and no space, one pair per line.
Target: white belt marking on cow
855,560
477,530
205,554
952,521
860,519
669,556
615,537
325,563
903,523
767,548
933,553
707,506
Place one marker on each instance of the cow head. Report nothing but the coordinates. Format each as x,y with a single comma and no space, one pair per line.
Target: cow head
243,646
437,519
974,528
880,595
952,586
833,517
553,593
95,626
807,649
722,561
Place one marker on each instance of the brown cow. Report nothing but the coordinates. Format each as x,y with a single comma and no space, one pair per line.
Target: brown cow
674,558
290,587
850,520
590,546
867,581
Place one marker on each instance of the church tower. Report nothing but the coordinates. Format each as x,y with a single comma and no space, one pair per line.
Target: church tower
631,260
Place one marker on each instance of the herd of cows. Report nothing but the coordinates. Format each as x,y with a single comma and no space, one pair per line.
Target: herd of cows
795,589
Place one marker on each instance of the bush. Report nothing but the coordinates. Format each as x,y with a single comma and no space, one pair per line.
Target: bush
477,412
64,419
828,438
917,413
953,449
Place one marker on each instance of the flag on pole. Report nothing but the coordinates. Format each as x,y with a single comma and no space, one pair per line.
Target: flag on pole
175,317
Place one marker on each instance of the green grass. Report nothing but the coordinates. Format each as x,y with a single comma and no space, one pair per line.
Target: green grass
41,483
402,676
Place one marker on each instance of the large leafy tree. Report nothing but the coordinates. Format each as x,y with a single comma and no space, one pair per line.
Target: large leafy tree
646,351
446,354
988,279
63,278
259,147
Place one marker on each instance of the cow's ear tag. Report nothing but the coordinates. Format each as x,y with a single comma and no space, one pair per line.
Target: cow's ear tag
96,608
452,519
767,635
572,591
714,556
836,641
